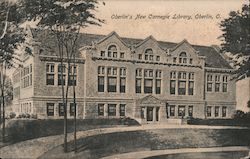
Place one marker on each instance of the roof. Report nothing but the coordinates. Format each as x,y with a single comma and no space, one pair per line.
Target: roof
213,58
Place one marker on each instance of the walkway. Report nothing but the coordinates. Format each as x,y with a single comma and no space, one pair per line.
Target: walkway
36,147
145,154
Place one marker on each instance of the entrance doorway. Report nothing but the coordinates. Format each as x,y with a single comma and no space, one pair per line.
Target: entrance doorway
150,113
157,113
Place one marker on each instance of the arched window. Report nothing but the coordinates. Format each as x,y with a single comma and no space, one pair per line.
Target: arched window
148,54
183,57
112,51
148,51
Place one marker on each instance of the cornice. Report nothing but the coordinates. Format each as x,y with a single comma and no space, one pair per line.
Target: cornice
219,70
145,62
57,59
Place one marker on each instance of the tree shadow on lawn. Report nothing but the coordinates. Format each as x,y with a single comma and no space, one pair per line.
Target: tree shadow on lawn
232,137
123,142
25,129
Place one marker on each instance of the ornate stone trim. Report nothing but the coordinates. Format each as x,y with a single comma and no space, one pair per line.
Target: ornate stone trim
146,62
56,59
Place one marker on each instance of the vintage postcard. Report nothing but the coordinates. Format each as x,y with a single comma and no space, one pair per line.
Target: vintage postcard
125,79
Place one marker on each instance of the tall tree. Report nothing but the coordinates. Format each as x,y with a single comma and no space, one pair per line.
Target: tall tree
11,37
63,19
236,36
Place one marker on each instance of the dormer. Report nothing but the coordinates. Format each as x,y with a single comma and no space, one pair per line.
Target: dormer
149,50
185,54
112,46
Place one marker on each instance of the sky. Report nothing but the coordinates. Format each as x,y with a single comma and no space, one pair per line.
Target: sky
201,31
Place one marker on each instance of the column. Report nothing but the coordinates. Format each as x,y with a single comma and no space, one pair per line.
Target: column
105,110
145,113
154,114
118,80
106,80
142,85
176,86
154,84
187,80
117,110
56,109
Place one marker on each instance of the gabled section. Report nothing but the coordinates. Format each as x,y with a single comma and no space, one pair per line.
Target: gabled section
150,100
113,33
148,39
183,42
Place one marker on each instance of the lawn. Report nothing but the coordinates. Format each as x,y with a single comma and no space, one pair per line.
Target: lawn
25,129
159,139
204,155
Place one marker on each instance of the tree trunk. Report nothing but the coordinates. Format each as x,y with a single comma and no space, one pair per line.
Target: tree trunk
74,96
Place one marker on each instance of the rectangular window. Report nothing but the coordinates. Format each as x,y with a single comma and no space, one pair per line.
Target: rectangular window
112,84
122,85
217,87
151,57
181,111
216,111
138,73
174,60
139,56
172,110
100,84
158,86
157,58
61,78
111,109
115,54
101,109
184,60
122,109
191,88
138,86
61,109
182,88
191,61
224,87
122,55
224,111
190,111
72,75
173,75
209,87
102,53
172,87
50,79
146,57
72,109
50,109
148,86
109,54
209,110
209,83
72,80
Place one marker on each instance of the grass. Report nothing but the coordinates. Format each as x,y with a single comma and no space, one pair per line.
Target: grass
122,142
25,129
206,155
220,122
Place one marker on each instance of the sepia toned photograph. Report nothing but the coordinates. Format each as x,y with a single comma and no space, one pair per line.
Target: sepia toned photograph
123,79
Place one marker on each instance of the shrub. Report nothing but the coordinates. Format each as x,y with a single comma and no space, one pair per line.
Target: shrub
12,115
22,115
238,114
33,116
26,115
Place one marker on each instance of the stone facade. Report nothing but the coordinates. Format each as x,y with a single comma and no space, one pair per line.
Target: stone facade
147,80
